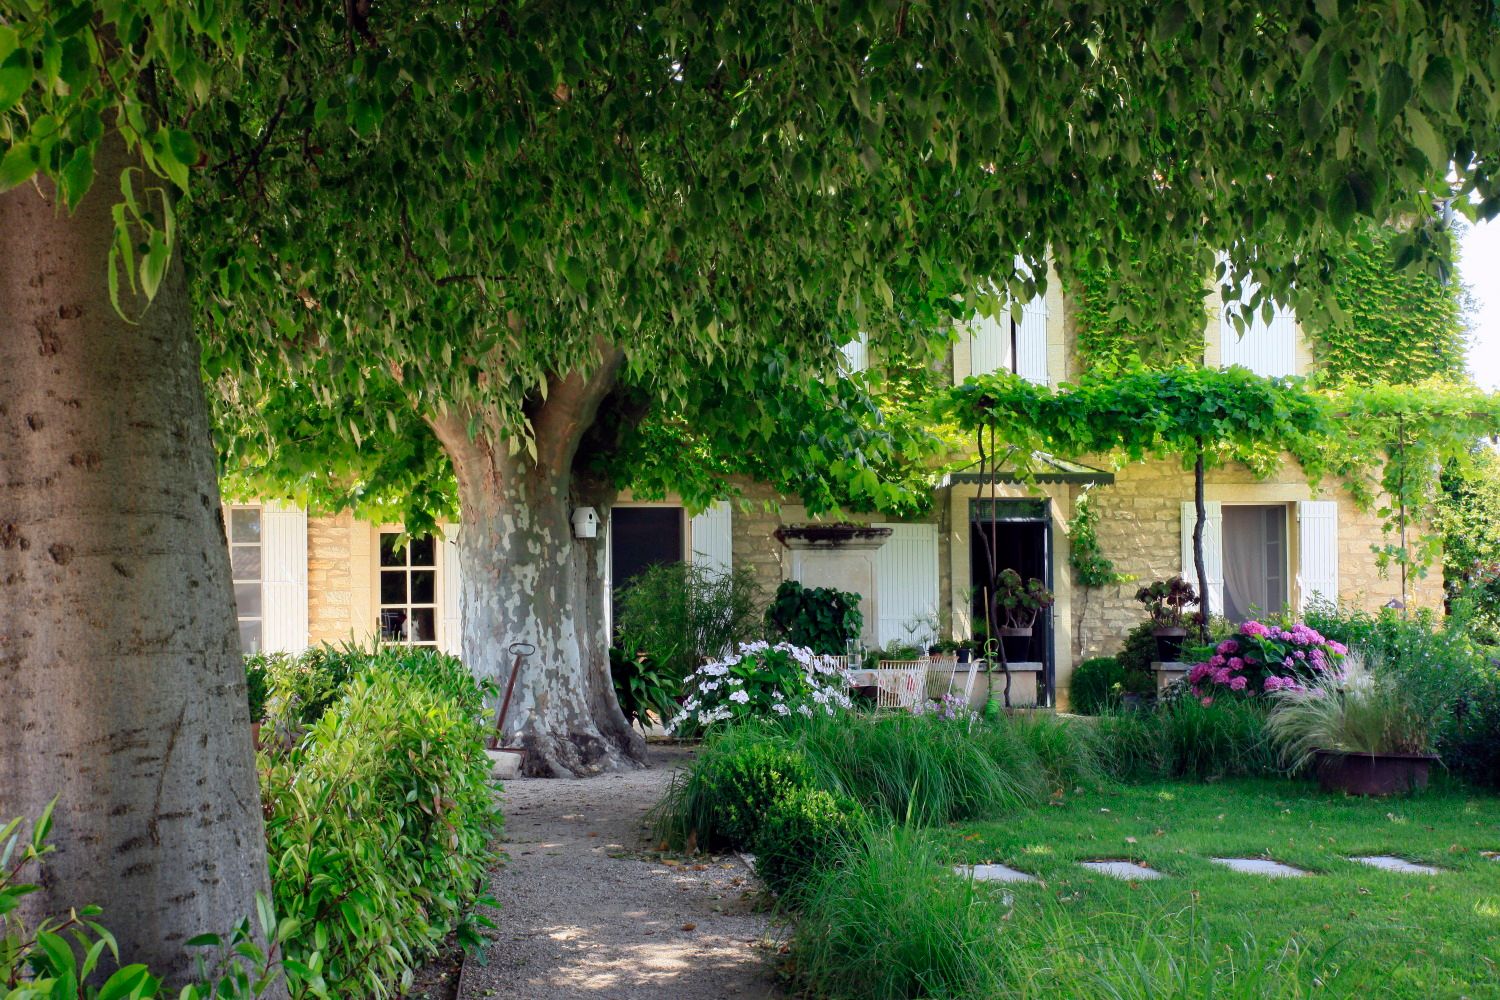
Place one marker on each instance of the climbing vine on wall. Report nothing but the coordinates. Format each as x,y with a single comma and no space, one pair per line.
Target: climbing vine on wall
1400,325
1091,567
1121,323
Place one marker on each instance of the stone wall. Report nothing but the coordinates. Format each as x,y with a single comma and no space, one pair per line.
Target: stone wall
330,610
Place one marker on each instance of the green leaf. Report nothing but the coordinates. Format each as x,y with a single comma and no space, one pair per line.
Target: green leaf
1437,84
573,270
154,263
1395,91
1426,139
77,176
15,72
17,166
124,982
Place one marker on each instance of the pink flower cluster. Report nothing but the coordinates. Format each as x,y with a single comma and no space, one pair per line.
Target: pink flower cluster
1265,658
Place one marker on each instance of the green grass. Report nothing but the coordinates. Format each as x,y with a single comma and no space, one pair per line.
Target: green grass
1356,930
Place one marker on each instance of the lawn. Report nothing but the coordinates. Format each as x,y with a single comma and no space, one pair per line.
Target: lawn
1348,929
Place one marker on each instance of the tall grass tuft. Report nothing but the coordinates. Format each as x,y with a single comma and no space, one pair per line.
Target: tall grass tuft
1352,711
1183,738
891,923
919,769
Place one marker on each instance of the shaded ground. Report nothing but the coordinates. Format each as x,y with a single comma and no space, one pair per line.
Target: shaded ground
589,910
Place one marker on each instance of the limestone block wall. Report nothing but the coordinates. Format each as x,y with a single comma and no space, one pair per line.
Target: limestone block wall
330,612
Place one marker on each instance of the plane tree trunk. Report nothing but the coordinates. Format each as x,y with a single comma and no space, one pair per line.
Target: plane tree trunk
527,579
122,691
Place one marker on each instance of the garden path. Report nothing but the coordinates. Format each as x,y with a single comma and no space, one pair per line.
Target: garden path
588,910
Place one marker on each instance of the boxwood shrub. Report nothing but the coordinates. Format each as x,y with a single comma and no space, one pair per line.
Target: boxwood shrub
380,818
805,832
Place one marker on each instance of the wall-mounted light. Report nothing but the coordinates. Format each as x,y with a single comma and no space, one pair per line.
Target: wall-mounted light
585,523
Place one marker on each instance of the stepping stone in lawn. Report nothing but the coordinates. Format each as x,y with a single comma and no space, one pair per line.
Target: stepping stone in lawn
993,873
1127,871
1390,863
1260,866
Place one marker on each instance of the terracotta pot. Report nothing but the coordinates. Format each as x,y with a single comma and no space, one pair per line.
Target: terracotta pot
1169,642
1372,774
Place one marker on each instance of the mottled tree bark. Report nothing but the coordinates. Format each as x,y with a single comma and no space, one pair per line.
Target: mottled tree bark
122,691
526,578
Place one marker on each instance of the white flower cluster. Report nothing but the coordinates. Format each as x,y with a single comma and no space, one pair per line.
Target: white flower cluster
751,680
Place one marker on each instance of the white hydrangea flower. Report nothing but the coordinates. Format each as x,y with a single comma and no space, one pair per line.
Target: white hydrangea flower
741,696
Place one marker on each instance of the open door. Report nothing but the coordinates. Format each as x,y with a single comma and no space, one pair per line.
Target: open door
1022,536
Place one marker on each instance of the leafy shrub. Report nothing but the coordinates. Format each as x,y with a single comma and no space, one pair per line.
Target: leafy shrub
1452,681
257,683
761,680
820,619
805,831
1135,658
643,686
54,958
893,923
300,688
721,800
680,614
380,821
1096,684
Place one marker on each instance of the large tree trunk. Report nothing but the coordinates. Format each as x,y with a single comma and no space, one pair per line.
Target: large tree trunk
122,691
527,579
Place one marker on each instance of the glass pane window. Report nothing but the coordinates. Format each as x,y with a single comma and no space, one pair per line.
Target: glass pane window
245,567
408,590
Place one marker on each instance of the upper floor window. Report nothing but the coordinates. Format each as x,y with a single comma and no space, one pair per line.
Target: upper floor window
408,590
856,355
1266,347
246,569
1012,342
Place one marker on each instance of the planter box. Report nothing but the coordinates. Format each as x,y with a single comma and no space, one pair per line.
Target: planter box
1372,774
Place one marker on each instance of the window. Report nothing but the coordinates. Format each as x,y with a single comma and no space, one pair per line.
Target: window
1256,560
856,355
408,590
245,567
1267,347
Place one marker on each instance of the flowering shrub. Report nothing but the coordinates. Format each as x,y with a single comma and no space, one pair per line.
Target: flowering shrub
759,680
949,708
1265,658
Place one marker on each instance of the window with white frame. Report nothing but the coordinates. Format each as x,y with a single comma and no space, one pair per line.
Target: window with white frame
408,590
246,567
1267,345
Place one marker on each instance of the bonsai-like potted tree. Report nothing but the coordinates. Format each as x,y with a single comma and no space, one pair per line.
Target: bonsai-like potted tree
1362,731
1167,602
1018,604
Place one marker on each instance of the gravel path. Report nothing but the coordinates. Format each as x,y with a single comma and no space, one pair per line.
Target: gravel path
589,910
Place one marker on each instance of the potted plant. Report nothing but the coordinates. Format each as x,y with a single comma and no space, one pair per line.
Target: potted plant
1166,602
1361,731
256,683
963,651
1017,605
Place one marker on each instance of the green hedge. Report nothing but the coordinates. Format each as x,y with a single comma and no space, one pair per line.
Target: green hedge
381,817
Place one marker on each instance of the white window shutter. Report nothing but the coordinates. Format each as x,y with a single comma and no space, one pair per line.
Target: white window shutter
1213,550
1267,349
450,611
906,582
1031,342
1318,569
989,344
711,536
856,354
283,533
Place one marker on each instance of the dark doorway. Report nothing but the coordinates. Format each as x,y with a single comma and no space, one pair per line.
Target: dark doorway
1022,533
641,537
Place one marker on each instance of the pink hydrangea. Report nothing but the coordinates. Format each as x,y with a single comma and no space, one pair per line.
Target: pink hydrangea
1206,701
1228,646
1237,684
1198,673
1236,663
1216,660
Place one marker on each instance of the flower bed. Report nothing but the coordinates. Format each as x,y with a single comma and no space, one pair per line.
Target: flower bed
1264,658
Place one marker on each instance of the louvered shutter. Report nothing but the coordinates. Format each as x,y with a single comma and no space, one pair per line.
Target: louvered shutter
451,638
906,582
1318,547
1213,551
1031,342
856,354
989,344
283,535
1267,349
712,538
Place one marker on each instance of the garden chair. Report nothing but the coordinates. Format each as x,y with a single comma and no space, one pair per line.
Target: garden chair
900,683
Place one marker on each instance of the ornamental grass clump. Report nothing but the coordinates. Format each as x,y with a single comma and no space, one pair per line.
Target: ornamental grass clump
762,680
1353,710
